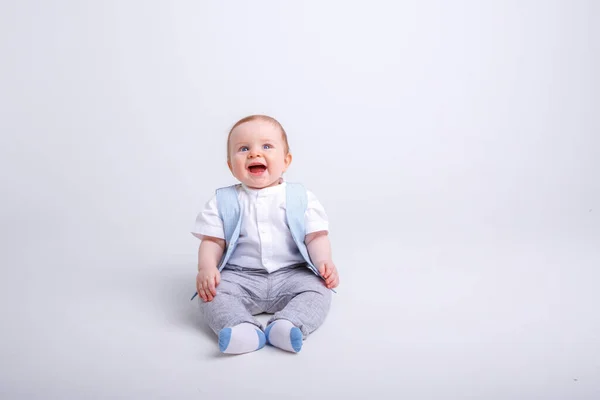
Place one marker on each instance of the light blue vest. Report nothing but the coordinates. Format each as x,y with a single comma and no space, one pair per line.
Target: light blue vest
229,211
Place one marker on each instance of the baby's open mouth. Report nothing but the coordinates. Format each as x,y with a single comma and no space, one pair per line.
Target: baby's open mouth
257,169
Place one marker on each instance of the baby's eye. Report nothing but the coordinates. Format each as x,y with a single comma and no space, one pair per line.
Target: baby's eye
267,146
244,148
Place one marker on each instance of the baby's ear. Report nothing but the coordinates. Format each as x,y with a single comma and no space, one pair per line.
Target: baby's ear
287,160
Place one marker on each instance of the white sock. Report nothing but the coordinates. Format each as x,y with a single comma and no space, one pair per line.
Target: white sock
283,334
242,338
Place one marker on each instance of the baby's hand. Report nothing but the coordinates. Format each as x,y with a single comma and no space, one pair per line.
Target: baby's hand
328,271
207,281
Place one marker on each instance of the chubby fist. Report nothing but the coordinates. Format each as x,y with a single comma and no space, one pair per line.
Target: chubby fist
329,272
207,281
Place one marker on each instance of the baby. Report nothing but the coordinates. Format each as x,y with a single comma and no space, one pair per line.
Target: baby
264,247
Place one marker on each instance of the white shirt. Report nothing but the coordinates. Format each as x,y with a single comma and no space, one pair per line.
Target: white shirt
265,240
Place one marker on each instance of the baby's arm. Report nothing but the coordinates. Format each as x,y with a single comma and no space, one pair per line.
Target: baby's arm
208,278
319,249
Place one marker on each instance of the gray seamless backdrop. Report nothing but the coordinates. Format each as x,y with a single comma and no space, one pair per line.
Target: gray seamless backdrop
454,144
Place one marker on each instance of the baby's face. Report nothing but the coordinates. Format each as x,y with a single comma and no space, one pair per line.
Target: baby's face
257,154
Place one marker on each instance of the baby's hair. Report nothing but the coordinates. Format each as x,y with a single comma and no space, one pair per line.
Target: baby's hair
259,117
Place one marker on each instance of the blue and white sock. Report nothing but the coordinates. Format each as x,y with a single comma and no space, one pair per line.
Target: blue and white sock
242,338
283,334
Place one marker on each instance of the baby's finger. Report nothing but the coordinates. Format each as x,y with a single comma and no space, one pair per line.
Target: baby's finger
334,272
336,282
329,279
198,284
202,294
334,278
326,271
206,288
211,286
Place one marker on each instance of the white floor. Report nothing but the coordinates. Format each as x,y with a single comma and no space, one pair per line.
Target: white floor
508,319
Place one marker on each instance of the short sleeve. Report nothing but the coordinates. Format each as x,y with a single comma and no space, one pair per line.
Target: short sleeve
208,222
315,217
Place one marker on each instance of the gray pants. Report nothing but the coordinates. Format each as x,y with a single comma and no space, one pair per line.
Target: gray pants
294,293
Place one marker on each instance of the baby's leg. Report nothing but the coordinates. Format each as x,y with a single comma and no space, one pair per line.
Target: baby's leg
302,304
230,314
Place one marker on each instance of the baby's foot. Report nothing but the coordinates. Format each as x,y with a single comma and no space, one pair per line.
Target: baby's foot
242,338
283,334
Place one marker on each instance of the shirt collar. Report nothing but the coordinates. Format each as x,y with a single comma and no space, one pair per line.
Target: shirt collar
266,191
